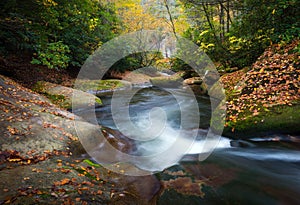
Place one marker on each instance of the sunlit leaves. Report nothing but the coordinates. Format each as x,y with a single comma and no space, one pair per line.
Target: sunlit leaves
135,17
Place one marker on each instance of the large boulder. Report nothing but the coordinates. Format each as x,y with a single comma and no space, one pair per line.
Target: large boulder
32,122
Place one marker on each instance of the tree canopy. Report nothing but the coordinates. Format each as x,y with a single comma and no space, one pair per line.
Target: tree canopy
236,32
68,29
60,33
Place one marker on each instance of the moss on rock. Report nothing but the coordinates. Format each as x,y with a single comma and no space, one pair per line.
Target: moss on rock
265,99
101,85
165,82
172,81
63,96
282,119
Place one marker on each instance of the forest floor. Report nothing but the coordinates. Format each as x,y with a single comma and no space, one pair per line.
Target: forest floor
22,71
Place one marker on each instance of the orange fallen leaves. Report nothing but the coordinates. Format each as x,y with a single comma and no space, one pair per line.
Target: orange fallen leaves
12,130
273,80
62,182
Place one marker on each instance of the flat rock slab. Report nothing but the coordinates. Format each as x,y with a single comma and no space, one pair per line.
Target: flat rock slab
96,86
67,97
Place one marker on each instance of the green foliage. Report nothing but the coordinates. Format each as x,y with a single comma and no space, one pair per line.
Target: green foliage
54,55
89,162
297,49
277,18
33,25
262,23
243,52
233,51
179,65
137,60
255,25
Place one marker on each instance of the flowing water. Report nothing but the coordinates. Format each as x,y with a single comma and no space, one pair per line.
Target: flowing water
263,170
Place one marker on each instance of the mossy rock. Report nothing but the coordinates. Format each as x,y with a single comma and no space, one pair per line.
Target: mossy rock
172,81
101,85
283,119
63,96
217,91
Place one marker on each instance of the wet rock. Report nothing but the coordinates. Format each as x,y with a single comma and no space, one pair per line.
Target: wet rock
185,185
141,190
199,89
118,140
193,81
241,143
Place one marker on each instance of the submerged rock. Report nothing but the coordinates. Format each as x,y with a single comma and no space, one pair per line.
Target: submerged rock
118,140
241,143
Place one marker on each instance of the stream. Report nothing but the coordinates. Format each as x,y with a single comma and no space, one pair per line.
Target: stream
263,170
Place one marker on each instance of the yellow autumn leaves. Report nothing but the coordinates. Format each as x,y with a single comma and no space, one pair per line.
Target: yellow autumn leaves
149,15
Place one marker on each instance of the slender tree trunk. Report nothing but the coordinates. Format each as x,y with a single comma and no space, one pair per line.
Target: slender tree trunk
222,23
205,9
228,15
170,17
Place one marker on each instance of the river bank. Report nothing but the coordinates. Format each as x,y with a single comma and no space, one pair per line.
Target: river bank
55,171
40,146
265,98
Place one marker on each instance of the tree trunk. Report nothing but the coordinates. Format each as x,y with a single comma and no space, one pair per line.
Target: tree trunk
222,22
228,15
